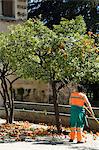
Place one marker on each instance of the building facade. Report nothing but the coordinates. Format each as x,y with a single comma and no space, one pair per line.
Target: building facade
12,12
13,9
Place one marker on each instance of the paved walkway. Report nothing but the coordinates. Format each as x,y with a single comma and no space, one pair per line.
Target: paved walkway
89,145
31,146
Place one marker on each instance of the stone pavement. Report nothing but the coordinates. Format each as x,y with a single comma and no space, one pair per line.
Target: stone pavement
89,145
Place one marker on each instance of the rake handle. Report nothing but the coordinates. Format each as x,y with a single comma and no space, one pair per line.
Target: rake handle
92,115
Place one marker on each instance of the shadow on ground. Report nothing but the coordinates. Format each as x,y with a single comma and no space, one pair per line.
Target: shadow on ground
74,146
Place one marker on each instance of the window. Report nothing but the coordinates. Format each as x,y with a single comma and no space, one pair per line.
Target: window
7,8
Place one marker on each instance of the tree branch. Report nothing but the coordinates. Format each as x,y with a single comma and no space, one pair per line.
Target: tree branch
2,94
8,74
11,82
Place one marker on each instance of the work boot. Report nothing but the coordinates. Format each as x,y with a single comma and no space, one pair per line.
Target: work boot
78,142
70,140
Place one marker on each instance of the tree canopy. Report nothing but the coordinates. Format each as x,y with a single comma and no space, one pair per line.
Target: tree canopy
38,52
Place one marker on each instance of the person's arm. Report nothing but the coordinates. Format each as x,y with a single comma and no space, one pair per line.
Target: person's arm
89,105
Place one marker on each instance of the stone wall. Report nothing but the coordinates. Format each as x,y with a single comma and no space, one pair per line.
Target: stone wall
47,118
36,91
4,24
31,90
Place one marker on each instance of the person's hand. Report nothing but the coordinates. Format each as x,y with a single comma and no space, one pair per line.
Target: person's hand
92,114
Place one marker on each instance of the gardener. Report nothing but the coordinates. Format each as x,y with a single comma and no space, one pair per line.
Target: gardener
77,120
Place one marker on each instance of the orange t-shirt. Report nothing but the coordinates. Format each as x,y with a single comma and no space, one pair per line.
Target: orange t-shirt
78,99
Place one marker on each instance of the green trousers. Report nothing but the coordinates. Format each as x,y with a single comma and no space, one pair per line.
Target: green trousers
77,118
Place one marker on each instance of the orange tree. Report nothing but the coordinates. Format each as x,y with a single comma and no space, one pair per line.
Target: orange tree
82,50
34,51
6,82
37,52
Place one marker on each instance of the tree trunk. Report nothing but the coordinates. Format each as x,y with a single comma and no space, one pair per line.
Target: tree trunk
8,100
11,116
6,111
5,101
56,106
7,91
